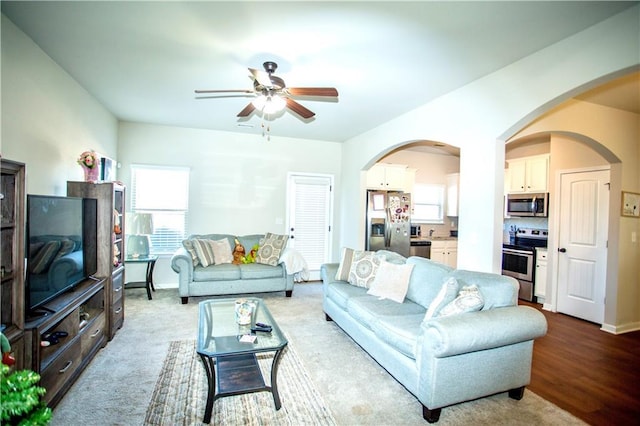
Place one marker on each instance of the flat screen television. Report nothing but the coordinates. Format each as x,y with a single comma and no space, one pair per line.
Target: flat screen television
61,248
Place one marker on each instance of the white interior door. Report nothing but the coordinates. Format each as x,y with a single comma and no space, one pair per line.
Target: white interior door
582,246
309,218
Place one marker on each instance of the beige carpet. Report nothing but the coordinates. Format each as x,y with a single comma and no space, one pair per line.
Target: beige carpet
118,385
180,395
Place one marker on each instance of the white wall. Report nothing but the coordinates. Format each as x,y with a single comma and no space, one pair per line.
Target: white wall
48,119
480,116
238,181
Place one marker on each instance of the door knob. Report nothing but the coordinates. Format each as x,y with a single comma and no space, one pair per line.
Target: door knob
562,250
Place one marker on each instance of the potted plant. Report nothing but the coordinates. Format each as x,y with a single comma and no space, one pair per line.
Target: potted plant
21,398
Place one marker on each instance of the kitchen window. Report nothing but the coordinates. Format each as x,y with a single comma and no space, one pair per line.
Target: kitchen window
164,192
428,203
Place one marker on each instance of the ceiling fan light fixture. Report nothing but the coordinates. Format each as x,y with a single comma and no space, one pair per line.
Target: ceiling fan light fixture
269,104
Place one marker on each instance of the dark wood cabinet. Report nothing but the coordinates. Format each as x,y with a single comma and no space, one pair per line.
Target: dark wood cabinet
12,227
111,244
77,322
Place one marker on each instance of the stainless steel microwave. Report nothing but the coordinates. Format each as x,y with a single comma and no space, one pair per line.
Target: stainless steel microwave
528,204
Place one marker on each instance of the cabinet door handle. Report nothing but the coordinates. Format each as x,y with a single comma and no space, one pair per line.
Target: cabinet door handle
97,333
66,367
115,290
117,311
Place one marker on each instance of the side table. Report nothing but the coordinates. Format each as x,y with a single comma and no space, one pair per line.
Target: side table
150,260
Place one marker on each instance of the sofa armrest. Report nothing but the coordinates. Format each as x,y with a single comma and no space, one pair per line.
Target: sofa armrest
476,331
182,263
328,272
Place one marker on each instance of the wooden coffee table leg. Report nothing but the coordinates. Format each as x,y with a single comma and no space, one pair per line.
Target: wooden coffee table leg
209,368
274,377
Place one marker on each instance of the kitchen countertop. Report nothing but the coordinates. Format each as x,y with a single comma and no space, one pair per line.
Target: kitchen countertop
434,238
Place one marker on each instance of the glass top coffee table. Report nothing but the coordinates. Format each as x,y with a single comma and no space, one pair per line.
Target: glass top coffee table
228,355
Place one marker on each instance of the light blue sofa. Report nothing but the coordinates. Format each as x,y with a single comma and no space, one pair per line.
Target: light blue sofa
442,360
228,278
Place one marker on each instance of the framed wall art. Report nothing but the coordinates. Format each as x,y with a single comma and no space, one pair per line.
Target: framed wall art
630,204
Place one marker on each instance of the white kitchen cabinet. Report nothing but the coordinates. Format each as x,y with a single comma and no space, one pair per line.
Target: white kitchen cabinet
541,273
387,177
453,181
529,174
409,181
445,251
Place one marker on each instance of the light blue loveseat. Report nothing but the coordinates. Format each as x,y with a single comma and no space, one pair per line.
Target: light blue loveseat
442,360
228,278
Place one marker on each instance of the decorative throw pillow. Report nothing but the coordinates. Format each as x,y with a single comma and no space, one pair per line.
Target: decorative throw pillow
204,251
447,294
391,281
222,251
45,256
270,248
188,245
469,300
363,268
345,264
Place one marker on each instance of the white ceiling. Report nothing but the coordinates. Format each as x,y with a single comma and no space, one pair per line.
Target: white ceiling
143,60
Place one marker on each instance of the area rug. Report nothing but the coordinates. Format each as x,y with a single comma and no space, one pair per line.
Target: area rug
180,394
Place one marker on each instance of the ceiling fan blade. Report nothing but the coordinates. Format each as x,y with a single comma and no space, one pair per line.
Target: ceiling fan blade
247,110
312,91
261,77
226,91
299,109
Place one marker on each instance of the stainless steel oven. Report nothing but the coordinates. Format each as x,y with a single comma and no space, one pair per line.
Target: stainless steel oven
518,259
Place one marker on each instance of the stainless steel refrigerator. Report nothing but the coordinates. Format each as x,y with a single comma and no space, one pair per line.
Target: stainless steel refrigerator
388,221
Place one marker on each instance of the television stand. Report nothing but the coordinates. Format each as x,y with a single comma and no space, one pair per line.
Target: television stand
60,364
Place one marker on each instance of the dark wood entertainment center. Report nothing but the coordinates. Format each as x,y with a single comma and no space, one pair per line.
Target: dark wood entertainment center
83,319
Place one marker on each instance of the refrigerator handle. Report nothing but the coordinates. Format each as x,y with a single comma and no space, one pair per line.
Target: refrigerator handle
387,228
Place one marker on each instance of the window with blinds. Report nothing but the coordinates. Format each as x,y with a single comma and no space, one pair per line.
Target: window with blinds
428,203
164,192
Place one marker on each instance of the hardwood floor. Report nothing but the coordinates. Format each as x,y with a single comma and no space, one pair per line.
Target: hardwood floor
590,373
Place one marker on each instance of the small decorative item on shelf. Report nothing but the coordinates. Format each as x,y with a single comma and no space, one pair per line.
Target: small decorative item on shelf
90,163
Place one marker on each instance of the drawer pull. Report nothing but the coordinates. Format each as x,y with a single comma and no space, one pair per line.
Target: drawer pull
66,367
117,311
97,333
116,290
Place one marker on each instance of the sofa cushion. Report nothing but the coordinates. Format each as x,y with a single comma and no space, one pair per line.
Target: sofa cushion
223,272
345,264
366,309
399,331
497,290
469,300
271,247
188,245
426,280
447,294
391,281
391,257
251,271
341,292
363,268
222,252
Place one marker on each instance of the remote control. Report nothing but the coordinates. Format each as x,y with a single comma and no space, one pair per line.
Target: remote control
263,329
262,325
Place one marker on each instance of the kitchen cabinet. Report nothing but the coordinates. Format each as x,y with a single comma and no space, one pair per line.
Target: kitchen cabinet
529,174
445,251
453,181
541,274
387,177
409,181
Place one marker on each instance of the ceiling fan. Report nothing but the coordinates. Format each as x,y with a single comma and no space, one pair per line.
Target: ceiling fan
272,95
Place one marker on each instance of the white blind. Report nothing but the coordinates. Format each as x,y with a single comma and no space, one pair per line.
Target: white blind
312,219
163,192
